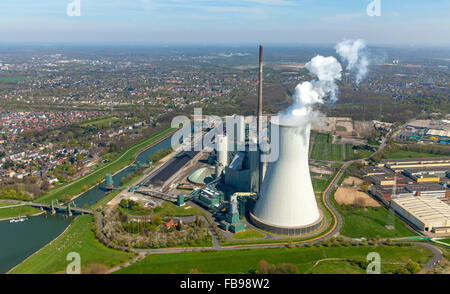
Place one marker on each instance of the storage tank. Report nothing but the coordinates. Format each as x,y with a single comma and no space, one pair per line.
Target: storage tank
109,182
286,203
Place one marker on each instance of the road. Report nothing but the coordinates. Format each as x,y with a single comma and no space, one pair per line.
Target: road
437,254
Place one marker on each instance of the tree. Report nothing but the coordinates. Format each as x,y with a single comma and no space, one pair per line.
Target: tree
284,268
65,198
413,267
156,219
263,267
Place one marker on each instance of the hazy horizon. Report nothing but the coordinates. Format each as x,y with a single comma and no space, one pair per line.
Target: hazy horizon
196,22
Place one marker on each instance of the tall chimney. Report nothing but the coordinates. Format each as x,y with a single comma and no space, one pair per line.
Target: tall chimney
259,115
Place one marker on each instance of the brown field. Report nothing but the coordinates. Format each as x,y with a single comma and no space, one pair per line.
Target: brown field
352,181
351,196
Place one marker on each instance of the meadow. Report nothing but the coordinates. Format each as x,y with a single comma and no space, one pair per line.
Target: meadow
15,211
313,259
323,150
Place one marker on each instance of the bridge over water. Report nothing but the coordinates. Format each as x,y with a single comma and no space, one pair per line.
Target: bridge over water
53,205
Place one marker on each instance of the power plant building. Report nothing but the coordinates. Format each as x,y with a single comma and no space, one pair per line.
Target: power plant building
242,172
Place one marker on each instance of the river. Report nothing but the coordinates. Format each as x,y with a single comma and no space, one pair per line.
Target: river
20,240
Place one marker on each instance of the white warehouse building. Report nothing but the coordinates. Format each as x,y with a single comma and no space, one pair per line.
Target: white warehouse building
426,213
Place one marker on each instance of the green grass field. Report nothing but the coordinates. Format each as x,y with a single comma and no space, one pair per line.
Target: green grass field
248,234
369,222
12,79
171,210
100,122
78,238
320,185
409,154
350,153
23,210
75,187
246,261
322,150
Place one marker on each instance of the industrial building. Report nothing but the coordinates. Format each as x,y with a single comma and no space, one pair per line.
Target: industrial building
425,213
427,131
411,177
399,165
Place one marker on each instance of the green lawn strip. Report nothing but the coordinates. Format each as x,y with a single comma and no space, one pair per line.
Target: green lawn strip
369,222
4,204
76,187
246,261
320,185
79,238
409,154
23,210
446,241
248,234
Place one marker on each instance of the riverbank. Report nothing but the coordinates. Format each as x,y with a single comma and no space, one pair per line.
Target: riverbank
94,178
9,210
78,237
37,252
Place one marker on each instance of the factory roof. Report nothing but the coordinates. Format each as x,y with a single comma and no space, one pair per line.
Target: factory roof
376,170
390,177
428,169
387,190
427,209
440,133
417,160
425,187
428,123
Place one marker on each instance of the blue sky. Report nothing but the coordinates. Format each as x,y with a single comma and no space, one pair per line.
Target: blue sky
402,22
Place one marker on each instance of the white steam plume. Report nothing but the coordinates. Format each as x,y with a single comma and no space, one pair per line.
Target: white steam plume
328,71
354,53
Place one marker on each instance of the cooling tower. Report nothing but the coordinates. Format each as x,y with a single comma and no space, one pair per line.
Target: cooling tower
286,203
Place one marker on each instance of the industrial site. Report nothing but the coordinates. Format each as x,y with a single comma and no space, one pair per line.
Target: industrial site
214,145
233,183
229,181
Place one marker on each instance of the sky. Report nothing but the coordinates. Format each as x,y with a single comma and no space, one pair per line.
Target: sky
401,22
